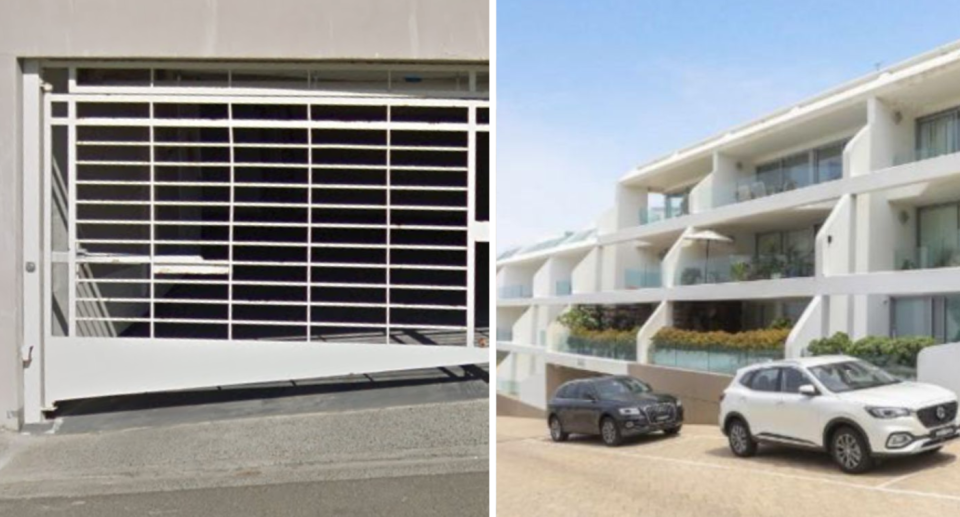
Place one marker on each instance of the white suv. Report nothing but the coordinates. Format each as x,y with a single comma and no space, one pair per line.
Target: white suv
845,406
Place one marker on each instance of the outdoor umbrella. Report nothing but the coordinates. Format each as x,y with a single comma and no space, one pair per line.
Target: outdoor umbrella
707,236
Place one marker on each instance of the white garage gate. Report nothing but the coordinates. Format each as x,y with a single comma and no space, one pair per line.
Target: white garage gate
193,225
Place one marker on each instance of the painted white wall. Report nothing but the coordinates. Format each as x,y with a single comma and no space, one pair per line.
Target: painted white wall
939,364
810,326
835,256
525,328
661,317
724,180
701,196
584,275
629,202
673,260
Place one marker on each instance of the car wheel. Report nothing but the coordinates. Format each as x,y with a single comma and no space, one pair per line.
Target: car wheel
610,432
672,431
741,441
851,451
556,430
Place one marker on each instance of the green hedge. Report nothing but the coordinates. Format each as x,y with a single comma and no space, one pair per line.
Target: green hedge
880,350
762,339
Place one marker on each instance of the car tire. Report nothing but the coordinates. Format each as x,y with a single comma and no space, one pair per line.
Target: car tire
672,431
850,451
557,433
741,441
610,432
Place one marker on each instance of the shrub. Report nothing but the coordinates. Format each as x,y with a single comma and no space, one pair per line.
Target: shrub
881,350
616,344
781,323
762,339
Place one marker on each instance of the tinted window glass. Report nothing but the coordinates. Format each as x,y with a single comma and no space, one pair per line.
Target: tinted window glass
564,392
766,380
793,379
747,378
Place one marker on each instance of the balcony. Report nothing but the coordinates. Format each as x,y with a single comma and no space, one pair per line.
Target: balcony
621,345
745,268
509,292
642,278
563,288
926,257
504,335
792,172
714,360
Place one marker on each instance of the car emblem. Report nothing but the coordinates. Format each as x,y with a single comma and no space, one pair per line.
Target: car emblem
941,413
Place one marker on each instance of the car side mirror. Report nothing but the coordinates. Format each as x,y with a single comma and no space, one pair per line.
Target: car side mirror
809,390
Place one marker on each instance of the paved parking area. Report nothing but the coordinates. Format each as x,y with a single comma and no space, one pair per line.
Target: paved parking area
695,474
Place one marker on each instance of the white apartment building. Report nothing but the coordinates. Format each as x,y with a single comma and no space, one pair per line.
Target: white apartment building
840,213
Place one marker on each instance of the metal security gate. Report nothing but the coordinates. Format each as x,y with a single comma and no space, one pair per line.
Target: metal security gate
206,227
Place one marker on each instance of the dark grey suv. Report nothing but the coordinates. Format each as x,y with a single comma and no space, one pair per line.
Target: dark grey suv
613,408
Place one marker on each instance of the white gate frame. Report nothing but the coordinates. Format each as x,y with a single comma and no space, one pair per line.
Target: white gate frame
60,368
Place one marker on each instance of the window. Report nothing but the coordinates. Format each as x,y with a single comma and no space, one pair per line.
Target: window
938,134
793,379
829,162
567,391
766,380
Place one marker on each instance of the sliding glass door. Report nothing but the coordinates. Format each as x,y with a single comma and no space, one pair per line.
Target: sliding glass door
938,134
938,235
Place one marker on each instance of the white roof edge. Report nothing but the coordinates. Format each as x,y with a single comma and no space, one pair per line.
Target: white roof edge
710,143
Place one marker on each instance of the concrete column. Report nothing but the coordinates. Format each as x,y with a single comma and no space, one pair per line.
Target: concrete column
11,369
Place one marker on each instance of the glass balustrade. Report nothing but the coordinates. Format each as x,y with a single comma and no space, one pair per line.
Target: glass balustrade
715,360
618,345
642,278
564,288
926,257
745,268
505,335
515,291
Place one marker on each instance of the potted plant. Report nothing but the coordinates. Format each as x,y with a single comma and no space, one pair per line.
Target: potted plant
690,276
740,271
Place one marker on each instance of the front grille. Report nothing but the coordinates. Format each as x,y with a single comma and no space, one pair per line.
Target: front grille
929,415
654,411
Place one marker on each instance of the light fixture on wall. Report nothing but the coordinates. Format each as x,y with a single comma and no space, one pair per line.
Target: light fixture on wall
904,217
897,117
739,166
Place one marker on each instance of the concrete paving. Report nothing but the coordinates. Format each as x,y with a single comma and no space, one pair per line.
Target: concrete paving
695,474
304,455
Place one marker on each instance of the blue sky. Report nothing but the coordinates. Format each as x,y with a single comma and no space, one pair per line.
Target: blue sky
587,90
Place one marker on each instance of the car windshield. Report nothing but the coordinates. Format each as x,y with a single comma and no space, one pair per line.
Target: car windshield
620,388
852,375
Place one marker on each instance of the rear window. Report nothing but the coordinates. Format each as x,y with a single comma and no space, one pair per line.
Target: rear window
766,380
746,378
566,392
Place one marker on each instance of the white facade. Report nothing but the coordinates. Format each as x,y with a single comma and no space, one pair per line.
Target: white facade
839,213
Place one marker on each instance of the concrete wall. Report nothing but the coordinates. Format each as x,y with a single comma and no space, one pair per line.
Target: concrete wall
699,392
366,30
510,406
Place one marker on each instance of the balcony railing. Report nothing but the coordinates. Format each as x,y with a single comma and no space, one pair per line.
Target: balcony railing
926,257
515,291
642,278
745,268
564,288
621,347
716,360
504,335
917,155
652,214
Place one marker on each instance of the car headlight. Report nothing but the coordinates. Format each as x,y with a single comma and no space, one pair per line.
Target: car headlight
629,411
888,412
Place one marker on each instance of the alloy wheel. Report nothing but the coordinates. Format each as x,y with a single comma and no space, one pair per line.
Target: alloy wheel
738,438
555,429
609,431
848,451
